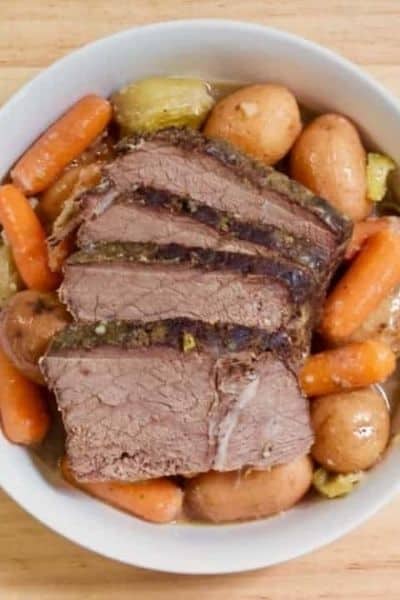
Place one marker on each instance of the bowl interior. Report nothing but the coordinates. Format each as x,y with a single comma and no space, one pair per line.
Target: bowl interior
215,50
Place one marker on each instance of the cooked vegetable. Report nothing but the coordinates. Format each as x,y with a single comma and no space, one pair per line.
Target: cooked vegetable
351,430
262,120
100,151
188,342
329,159
59,252
156,500
373,275
382,324
26,238
348,367
40,166
334,485
236,496
391,201
160,102
9,280
27,324
364,230
23,411
378,169
68,187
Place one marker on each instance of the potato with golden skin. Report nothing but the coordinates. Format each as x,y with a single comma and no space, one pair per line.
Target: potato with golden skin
244,495
330,160
351,430
261,120
27,323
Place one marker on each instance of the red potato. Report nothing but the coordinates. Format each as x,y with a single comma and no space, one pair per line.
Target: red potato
351,430
27,323
239,496
330,160
262,120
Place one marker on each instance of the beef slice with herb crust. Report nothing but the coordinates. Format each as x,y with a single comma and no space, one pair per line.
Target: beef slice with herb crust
147,282
182,167
149,215
211,172
171,398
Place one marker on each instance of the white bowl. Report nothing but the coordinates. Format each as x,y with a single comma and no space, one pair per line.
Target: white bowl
216,50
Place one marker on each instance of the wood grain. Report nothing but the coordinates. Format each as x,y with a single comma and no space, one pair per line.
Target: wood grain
36,564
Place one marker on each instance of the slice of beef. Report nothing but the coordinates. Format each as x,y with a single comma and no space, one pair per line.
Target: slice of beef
129,221
213,173
149,215
169,398
146,281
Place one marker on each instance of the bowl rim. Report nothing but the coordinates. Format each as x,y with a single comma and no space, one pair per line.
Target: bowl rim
205,23
50,519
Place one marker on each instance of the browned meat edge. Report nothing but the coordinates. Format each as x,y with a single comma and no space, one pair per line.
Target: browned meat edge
297,279
258,174
181,334
298,250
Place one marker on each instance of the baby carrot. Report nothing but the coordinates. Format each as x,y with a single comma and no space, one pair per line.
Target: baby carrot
27,239
348,367
363,230
156,500
23,410
372,276
66,139
59,253
72,183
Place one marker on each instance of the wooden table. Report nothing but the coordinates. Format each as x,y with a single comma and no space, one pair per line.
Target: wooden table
36,564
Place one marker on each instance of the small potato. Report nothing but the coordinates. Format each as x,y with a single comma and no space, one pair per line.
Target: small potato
262,120
351,430
238,496
27,323
330,160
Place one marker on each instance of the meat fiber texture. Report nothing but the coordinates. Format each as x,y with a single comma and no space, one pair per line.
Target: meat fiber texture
142,282
213,173
134,413
149,215
228,241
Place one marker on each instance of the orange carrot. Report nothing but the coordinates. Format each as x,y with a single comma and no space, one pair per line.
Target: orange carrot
372,276
71,184
156,500
23,410
64,141
348,367
364,230
59,253
27,239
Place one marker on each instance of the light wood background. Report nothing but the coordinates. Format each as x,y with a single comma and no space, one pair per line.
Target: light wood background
36,564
